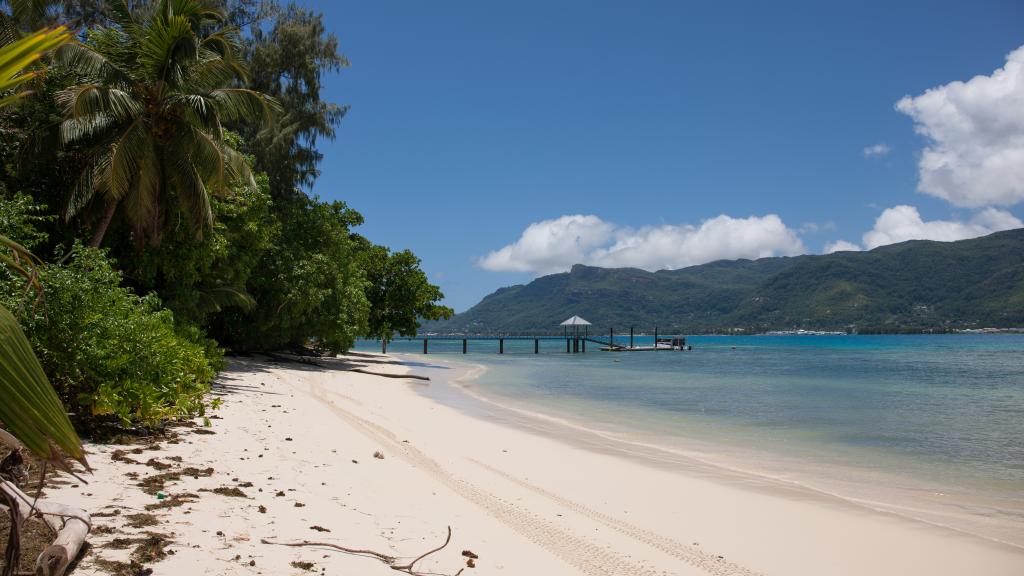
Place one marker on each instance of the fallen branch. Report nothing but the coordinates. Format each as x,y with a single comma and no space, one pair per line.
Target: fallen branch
71,525
390,561
413,376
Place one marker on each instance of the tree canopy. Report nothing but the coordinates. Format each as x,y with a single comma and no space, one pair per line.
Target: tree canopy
180,136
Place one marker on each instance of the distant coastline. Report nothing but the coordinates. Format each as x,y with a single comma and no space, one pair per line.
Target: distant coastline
911,287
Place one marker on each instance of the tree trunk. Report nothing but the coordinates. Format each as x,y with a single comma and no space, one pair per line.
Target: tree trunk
101,230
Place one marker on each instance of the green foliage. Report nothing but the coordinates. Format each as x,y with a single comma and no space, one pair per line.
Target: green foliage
398,292
197,278
31,410
20,218
310,285
153,94
18,55
132,135
108,351
918,285
287,62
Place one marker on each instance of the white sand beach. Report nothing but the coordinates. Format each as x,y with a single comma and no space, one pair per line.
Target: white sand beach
298,442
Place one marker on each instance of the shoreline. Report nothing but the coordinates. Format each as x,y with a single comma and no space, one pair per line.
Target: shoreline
706,457
290,456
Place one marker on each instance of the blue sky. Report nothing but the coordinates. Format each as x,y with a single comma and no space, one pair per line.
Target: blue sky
472,120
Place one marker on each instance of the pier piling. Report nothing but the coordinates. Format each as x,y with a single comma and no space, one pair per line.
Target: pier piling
464,345
424,345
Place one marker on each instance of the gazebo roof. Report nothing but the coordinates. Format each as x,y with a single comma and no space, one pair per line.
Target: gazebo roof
575,321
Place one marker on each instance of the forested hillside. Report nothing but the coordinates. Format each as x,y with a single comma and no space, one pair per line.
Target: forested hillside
912,285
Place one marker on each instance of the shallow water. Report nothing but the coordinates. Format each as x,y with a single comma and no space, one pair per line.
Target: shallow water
932,425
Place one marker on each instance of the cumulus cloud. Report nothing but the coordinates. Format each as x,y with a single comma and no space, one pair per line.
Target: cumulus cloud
975,129
841,246
880,149
555,245
551,245
901,223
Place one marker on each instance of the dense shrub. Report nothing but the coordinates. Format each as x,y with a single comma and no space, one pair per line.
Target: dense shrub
199,277
109,351
308,287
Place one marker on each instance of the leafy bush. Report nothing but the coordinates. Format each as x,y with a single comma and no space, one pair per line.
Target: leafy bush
196,278
109,351
308,287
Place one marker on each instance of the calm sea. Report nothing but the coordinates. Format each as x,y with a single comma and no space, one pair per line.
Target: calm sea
929,426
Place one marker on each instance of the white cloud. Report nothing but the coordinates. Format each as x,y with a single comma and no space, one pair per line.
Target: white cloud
551,245
901,223
975,129
841,246
555,245
880,149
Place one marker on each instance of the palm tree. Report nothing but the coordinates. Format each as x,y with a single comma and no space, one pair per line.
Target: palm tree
155,91
30,410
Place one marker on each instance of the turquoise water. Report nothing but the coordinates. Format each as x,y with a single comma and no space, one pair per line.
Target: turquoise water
935,413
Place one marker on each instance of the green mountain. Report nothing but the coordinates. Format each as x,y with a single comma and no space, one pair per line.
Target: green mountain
916,285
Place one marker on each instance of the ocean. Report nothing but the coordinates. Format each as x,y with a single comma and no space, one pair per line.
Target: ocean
928,426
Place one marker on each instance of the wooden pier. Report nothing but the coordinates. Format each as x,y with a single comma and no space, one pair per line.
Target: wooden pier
574,343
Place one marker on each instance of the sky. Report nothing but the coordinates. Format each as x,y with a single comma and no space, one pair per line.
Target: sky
501,141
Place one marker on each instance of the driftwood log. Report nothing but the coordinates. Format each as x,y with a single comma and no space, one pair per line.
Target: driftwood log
413,376
71,525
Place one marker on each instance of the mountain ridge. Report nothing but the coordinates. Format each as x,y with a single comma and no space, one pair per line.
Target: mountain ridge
913,285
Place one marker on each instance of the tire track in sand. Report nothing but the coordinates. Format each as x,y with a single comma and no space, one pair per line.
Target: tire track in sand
711,563
578,552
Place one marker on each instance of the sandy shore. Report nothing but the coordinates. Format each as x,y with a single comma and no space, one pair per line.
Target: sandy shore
291,458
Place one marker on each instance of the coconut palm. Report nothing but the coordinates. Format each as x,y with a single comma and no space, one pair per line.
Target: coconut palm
30,410
155,91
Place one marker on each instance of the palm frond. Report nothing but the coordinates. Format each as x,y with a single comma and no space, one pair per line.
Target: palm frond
212,72
193,198
31,410
15,57
91,100
94,179
90,63
197,110
77,129
18,258
205,156
236,167
121,14
28,12
235,104
127,156
170,46
8,29
142,204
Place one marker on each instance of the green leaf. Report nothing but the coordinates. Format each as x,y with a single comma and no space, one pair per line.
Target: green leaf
15,57
31,410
